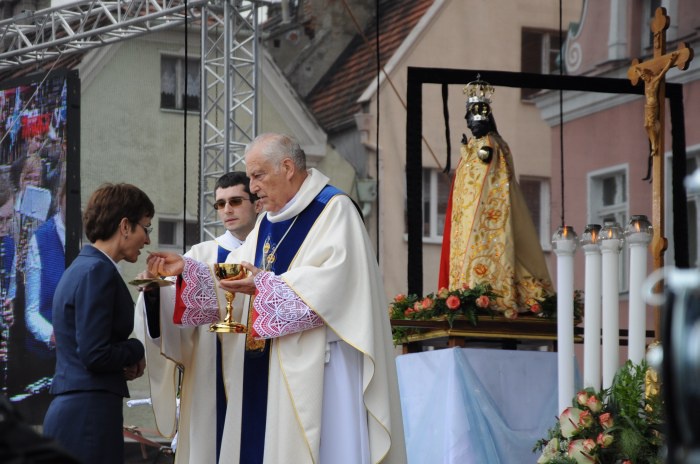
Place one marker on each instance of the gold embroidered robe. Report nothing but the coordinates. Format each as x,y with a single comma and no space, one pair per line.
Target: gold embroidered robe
489,234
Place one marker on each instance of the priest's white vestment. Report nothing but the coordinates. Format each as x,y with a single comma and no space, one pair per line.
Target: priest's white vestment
334,273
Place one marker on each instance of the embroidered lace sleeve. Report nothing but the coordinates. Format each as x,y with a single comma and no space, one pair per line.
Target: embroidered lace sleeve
279,310
198,295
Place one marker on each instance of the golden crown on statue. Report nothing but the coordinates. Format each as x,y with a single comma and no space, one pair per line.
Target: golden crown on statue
478,91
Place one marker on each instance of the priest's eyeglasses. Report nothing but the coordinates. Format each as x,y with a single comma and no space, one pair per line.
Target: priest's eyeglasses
233,201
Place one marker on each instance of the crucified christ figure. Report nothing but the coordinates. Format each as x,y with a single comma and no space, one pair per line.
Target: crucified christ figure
651,107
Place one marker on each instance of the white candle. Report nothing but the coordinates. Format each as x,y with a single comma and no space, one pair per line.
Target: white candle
564,242
610,246
592,318
638,235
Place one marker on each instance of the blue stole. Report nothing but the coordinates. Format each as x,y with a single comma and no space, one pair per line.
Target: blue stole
221,402
256,364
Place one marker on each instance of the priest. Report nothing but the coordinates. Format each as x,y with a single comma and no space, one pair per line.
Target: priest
319,323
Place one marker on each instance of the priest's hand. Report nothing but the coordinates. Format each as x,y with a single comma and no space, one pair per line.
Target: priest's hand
165,263
245,285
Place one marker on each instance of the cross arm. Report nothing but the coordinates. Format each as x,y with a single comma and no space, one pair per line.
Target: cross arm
680,58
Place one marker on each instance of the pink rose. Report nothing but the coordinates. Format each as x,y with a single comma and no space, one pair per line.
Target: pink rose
582,397
452,302
408,312
417,307
581,451
536,308
604,440
443,292
400,297
585,419
569,422
482,301
427,303
594,404
606,420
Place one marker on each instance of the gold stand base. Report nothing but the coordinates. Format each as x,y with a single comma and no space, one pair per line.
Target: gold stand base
228,327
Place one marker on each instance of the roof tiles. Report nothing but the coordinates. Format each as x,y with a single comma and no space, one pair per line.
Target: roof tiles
334,100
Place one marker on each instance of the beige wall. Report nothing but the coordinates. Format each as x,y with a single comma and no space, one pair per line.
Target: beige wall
126,137
463,35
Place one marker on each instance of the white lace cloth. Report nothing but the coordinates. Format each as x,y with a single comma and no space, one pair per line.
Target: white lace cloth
280,310
199,295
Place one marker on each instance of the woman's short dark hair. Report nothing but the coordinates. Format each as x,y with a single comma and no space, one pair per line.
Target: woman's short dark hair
109,204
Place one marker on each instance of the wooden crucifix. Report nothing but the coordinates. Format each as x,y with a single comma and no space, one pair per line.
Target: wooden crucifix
653,72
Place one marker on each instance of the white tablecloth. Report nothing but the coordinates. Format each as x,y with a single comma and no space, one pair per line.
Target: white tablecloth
480,406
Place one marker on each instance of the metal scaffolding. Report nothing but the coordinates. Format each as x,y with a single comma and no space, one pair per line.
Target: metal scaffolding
228,65
229,97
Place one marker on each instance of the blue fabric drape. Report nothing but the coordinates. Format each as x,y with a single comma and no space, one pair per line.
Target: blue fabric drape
477,405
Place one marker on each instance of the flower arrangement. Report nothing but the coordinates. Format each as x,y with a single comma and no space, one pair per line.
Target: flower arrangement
468,303
464,302
619,425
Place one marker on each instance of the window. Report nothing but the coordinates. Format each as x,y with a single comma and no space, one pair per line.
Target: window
693,211
539,55
693,201
607,201
172,83
537,196
170,233
436,191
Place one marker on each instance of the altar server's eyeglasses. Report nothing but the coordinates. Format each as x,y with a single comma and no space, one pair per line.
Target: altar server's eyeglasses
233,201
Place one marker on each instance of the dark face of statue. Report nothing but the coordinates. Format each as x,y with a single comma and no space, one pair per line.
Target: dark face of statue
478,127
479,119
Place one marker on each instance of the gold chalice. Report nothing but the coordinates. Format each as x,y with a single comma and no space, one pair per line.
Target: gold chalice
226,271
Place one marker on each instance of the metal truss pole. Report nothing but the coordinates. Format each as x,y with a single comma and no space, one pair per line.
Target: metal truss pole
229,97
47,34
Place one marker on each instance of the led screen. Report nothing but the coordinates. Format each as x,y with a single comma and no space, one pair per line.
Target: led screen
38,173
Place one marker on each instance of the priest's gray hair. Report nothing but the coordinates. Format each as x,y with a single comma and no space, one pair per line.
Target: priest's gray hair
277,147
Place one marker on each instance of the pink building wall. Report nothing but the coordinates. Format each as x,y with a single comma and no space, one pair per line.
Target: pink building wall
615,135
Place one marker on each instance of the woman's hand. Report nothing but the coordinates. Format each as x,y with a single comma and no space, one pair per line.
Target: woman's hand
135,370
245,285
165,263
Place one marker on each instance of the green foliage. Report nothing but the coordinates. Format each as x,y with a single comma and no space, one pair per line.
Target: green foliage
549,306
